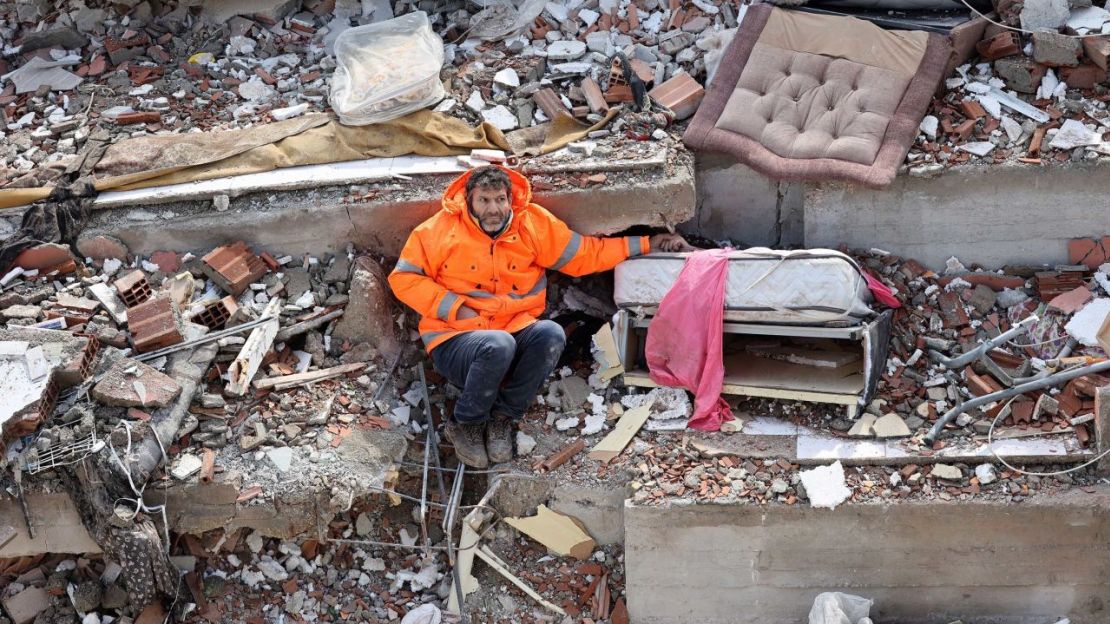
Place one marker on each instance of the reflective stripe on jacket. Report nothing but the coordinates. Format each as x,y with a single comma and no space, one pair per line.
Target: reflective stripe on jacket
449,261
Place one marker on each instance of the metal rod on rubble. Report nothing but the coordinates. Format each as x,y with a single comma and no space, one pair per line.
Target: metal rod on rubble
974,354
1040,384
456,493
203,340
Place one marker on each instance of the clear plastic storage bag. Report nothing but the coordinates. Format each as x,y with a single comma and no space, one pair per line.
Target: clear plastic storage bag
386,70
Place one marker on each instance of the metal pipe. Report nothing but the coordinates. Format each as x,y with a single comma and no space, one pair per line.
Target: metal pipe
969,357
203,340
1040,384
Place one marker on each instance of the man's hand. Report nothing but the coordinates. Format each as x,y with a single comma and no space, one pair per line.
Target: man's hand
465,312
669,242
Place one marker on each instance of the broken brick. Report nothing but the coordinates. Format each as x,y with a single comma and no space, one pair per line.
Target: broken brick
594,97
972,109
1071,301
1085,76
1003,44
233,267
549,103
1089,252
1097,49
133,288
154,324
138,117
216,314
682,94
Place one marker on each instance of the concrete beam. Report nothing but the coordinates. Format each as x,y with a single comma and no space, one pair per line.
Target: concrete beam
741,204
380,218
982,561
991,216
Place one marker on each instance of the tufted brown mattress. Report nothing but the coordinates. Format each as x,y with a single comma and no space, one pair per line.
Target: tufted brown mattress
800,96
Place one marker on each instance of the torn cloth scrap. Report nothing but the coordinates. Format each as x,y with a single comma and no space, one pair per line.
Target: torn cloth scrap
684,342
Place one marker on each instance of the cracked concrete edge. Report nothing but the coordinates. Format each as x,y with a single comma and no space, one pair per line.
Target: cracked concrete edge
378,216
292,508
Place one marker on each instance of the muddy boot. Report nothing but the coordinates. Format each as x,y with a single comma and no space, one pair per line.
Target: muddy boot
469,441
499,438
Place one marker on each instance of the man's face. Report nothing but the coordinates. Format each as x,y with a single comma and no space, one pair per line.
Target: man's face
491,208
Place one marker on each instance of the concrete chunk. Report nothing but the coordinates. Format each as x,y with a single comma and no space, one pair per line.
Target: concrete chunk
864,427
891,426
129,383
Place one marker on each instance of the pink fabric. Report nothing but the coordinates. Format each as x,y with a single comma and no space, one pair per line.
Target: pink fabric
684,341
883,294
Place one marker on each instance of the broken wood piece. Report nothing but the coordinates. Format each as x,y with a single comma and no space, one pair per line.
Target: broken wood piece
485,554
560,533
807,357
249,493
207,465
605,352
561,456
295,330
288,381
246,364
627,428
468,546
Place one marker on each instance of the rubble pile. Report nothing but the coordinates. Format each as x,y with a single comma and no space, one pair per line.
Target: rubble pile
561,60
952,312
103,71
1037,96
230,363
107,71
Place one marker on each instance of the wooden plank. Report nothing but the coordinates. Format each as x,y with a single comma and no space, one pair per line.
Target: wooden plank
560,533
485,554
288,381
643,380
627,428
807,357
261,338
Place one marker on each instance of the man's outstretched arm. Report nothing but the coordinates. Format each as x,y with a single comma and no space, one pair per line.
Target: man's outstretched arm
569,252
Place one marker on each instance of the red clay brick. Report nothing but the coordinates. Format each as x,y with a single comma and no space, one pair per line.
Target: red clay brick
133,288
139,117
682,94
154,324
233,267
1071,301
1086,76
998,46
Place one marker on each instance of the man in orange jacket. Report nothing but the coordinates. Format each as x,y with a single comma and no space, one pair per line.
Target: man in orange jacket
476,274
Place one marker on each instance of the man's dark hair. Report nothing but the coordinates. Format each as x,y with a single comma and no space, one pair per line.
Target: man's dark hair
489,178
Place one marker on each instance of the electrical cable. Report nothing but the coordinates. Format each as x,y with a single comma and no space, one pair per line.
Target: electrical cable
1022,30
990,445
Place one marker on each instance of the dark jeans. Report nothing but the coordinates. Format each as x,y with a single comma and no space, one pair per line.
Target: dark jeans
479,361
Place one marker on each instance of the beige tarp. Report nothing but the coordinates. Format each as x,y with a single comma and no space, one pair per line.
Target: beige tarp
313,139
308,140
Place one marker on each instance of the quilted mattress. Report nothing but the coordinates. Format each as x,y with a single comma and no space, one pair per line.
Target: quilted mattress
811,286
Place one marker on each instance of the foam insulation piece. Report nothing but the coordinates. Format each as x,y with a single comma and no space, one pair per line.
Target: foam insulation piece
825,486
1085,325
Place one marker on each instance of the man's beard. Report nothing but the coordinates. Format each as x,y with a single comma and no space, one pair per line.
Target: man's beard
491,229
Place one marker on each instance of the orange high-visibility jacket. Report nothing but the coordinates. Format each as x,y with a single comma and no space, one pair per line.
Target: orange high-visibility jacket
449,261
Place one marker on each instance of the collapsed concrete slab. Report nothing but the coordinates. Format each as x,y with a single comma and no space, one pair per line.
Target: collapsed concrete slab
380,217
920,562
283,507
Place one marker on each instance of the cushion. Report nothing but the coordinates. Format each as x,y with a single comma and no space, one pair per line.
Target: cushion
814,97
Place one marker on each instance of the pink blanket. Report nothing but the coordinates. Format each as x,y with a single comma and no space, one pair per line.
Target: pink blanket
684,341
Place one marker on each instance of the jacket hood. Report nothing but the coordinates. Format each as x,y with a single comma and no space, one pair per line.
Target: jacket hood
454,198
